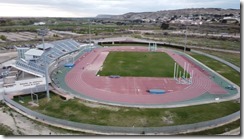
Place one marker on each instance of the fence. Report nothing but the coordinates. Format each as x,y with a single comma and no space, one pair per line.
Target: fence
112,130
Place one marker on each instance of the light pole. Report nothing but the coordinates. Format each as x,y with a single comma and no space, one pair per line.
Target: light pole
43,32
89,35
185,39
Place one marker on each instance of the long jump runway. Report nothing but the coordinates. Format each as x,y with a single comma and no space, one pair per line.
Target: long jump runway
133,90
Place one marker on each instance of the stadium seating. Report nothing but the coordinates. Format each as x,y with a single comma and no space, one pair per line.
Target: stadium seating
59,49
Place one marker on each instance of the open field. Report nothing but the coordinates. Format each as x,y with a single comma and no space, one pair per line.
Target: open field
218,130
76,110
230,57
220,68
204,42
14,123
20,36
138,64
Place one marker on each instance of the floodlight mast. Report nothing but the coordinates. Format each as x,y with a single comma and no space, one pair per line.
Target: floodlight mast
43,32
185,39
89,35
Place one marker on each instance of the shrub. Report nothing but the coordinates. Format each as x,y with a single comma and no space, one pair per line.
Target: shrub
2,37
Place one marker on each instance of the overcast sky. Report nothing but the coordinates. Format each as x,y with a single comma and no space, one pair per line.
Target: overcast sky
91,8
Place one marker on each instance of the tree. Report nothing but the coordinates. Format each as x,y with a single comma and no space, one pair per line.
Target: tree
2,37
55,35
164,26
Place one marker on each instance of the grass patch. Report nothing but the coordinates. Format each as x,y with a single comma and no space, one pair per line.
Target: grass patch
75,110
220,68
5,130
218,130
138,64
230,57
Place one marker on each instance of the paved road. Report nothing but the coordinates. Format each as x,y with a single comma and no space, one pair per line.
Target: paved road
7,56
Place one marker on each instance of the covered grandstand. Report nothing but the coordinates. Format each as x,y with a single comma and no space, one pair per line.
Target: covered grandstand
54,51
31,67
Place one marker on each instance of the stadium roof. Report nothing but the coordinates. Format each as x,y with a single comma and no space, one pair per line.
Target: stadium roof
23,48
47,45
34,52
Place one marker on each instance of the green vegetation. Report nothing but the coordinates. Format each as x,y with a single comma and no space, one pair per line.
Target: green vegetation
139,64
55,35
78,111
59,130
2,37
194,41
234,58
19,28
220,68
138,36
218,130
164,26
5,130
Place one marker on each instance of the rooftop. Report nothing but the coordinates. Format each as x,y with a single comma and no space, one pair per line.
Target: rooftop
34,52
47,45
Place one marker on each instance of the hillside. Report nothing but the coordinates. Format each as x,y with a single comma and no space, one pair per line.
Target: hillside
213,12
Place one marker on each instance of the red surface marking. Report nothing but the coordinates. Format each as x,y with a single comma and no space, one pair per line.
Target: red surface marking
132,90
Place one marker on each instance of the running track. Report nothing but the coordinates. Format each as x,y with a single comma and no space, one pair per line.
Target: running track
132,90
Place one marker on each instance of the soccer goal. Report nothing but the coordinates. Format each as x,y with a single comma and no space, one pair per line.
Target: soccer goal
152,47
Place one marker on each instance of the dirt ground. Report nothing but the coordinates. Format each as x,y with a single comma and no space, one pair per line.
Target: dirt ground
21,125
7,56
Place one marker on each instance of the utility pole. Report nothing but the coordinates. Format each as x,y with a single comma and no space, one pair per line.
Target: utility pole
185,39
43,32
89,35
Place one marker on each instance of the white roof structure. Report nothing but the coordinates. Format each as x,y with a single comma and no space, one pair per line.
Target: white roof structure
34,52
33,60
39,23
47,45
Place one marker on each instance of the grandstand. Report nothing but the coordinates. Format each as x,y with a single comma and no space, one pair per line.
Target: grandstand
30,67
54,50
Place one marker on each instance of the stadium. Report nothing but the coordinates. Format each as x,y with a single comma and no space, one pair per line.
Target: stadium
74,70
83,81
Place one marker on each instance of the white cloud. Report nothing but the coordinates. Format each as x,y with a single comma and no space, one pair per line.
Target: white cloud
88,8
13,10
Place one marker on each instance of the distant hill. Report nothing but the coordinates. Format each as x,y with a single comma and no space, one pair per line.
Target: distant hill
216,12
104,16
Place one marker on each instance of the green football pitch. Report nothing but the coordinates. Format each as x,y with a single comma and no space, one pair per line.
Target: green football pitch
138,64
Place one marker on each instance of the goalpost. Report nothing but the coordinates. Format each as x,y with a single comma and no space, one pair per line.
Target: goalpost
152,47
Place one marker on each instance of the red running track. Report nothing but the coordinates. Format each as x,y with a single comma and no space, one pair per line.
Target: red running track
132,90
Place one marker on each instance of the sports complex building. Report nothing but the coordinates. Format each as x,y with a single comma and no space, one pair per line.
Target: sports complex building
73,72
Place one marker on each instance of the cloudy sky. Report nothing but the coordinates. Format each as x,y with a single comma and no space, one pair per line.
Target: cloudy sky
91,8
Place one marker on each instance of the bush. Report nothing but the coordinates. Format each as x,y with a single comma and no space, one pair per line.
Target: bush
2,37
164,26
166,33
55,35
